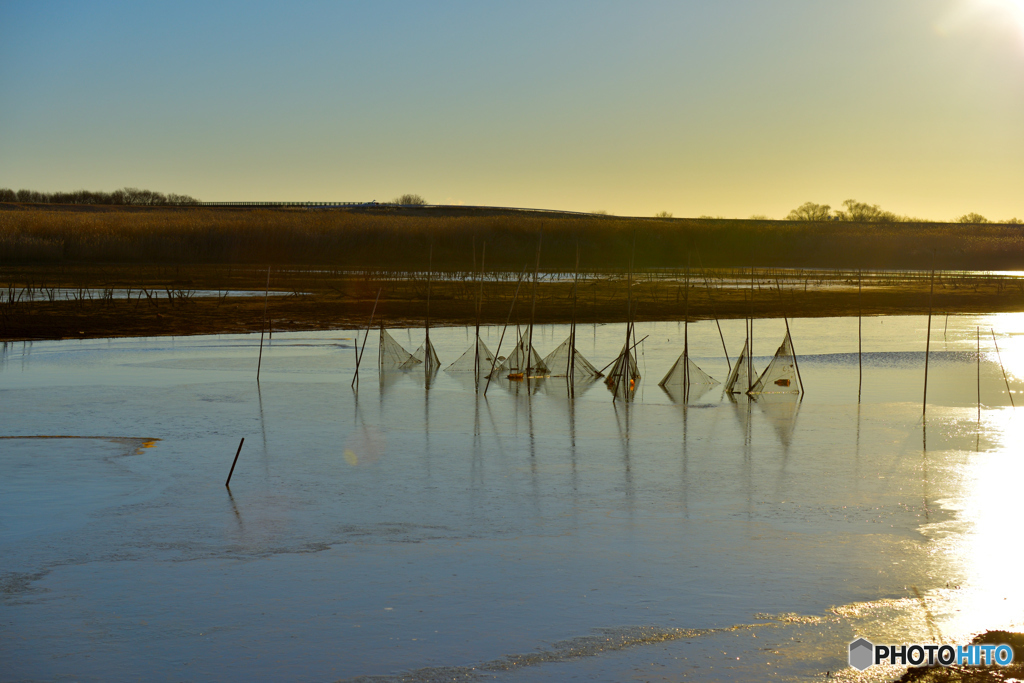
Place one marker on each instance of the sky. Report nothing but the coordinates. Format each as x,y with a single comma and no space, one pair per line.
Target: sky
726,108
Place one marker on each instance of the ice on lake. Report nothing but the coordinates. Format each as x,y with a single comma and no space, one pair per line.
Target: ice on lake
416,530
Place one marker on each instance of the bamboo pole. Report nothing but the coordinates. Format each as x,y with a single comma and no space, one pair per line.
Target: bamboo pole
686,334
533,311
427,355
359,356
1000,358
927,348
494,361
479,300
860,322
266,296
571,370
707,286
234,462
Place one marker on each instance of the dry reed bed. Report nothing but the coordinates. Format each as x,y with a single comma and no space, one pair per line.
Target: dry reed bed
401,240
163,300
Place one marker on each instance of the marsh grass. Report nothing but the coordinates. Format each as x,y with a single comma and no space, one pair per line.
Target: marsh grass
399,239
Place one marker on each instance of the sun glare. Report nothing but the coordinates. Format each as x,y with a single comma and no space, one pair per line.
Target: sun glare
1003,11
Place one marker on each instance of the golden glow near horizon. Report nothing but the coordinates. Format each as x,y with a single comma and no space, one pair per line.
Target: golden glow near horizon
721,109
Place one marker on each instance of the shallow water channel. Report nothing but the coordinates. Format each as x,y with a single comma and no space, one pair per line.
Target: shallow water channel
414,530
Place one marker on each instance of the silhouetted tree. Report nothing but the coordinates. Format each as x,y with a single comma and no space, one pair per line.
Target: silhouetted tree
865,213
809,211
410,200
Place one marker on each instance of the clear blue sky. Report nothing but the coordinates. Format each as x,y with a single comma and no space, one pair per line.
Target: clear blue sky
731,107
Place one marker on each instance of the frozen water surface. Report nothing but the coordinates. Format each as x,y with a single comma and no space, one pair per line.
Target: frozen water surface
412,530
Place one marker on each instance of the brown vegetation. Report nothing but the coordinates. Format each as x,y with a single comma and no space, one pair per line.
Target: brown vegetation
398,238
41,302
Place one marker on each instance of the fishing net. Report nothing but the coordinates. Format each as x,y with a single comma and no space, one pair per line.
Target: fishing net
475,357
685,369
624,375
558,363
392,355
424,355
740,377
780,376
517,361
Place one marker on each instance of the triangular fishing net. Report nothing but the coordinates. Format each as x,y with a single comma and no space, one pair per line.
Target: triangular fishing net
740,377
517,361
425,355
624,375
780,376
558,363
392,355
468,361
677,374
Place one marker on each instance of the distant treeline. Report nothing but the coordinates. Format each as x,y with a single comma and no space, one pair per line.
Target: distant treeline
862,212
401,239
126,196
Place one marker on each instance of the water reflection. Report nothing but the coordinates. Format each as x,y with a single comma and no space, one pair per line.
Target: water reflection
713,510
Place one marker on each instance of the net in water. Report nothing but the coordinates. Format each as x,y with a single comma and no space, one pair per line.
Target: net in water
392,355
425,356
473,359
740,377
516,361
624,375
780,376
558,363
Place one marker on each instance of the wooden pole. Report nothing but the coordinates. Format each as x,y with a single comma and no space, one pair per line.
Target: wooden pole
266,296
572,330
686,334
978,333
479,300
427,355
707,286
1000,358
927,348
860,322
359,356
750,337
234,462
494,361
533,311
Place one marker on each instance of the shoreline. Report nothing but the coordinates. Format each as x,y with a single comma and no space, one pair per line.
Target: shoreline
164,302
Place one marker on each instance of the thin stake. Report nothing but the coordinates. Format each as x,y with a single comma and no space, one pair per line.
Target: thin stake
266,296
796,364
359,356
978,333
494,361
860,315
479,300
707,285
750,347
533,310
234,462
427,356
686,334
571,370
927,348
998,356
